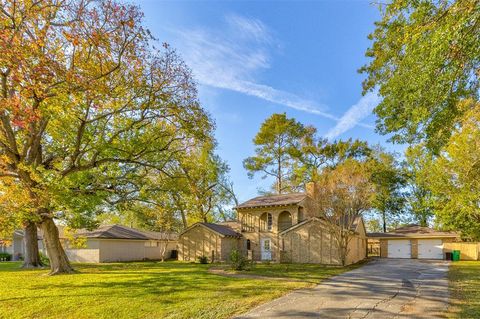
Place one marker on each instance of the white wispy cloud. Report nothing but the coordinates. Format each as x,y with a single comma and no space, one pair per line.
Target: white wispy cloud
354,115
233,57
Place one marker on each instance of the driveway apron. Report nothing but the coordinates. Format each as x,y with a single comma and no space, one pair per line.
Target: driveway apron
383,288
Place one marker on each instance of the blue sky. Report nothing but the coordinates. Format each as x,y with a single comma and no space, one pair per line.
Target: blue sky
252,59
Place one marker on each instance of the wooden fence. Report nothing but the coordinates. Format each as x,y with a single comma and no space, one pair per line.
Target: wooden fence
468,251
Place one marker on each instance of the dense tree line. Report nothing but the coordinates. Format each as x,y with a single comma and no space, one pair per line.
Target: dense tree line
425,63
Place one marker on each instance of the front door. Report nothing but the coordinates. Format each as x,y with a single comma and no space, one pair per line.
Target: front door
266,248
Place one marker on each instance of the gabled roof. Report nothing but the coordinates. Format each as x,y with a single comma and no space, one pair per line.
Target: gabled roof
124,232
353,226
306,221
413,230
222,230
273,200
233,224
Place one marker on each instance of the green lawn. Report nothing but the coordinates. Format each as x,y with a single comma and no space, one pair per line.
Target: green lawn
464,279
143,290
305,272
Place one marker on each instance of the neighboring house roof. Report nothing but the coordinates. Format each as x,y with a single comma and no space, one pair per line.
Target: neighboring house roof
413,231
123,232
223,230
273,200
21,233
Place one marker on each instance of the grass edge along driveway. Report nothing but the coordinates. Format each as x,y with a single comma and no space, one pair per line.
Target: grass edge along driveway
464,281
145,290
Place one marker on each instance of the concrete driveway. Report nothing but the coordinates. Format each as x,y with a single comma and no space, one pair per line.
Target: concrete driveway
383,288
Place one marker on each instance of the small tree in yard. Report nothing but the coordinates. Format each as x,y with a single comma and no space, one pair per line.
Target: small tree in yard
343,194
238,261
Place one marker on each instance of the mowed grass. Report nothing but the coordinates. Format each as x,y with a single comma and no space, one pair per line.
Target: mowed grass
303,272
464,277
143,290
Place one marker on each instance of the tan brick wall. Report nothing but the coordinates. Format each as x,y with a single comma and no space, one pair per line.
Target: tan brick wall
227,245
313,243
383,248
357,249
414,248
199,241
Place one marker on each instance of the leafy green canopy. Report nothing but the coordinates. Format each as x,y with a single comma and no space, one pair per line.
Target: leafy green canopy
389,181
278,147
89,109
425,59
455,178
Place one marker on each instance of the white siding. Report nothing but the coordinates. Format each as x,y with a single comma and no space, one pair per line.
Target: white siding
89,254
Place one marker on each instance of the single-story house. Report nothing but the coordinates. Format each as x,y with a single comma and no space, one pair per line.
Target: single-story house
16,247
114,243
414,241
106,244
281,228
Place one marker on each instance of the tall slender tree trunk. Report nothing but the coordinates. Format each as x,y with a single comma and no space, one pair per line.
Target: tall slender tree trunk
384,220
59,263
32,255
279,177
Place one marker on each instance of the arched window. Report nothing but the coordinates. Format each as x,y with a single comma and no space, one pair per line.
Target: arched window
284,220
248,244
266,222
300,216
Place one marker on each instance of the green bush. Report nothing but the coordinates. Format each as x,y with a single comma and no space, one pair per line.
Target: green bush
238,261
44,260
203,260
5,257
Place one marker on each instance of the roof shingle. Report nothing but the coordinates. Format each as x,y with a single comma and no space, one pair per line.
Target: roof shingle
123,232
222,229
413,230
273,200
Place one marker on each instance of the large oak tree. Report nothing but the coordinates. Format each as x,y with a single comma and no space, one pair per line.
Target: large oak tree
88,110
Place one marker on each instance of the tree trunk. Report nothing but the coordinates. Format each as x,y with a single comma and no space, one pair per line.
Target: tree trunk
184,219
423,220
164,250
384,219
30,238
59,263
279,177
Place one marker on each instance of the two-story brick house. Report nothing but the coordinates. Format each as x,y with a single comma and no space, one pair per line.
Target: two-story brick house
282,228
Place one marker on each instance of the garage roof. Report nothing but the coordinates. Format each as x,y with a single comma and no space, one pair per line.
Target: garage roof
413,231
124,232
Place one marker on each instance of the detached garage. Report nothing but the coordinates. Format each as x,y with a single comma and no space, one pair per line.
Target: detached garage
414,241
113,243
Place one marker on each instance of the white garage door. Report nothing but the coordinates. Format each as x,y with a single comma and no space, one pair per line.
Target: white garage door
430,249
399,248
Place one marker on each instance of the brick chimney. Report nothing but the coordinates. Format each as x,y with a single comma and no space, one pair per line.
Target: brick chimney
312,189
